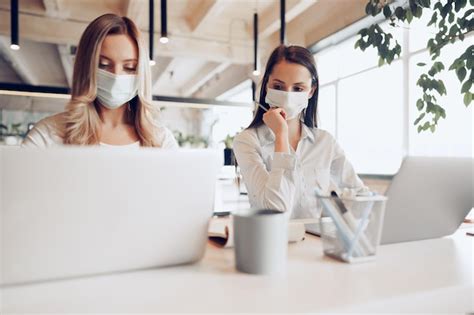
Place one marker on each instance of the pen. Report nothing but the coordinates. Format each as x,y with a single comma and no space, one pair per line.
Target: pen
351,221
262,107
345,232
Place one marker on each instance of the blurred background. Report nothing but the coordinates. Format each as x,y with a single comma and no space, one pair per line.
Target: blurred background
205,76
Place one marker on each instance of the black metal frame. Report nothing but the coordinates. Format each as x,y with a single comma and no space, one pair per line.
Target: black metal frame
18,87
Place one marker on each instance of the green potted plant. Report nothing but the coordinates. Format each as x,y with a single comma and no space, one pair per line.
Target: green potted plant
229,158
12,135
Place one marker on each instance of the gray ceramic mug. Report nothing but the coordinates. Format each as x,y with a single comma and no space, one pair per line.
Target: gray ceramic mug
261,241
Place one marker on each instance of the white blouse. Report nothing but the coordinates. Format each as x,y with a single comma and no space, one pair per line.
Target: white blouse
46,133
286,181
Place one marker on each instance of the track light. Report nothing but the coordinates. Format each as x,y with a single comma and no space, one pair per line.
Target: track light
164,23
14,44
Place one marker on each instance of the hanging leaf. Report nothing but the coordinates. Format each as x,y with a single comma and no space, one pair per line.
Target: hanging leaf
381,61
466,86
400,13
387,12
467,98
409,16
419,119
420,104
368,8
434,19
461,73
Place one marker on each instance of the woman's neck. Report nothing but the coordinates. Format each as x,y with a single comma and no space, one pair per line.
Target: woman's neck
294,128
113,117
294,132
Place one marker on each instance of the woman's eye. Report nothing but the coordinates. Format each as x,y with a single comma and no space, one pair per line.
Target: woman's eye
103,65
298,89
277,87
130,69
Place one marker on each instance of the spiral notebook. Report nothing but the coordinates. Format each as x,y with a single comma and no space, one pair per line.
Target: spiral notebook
221,232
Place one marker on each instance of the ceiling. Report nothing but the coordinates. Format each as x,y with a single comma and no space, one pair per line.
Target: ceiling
211,41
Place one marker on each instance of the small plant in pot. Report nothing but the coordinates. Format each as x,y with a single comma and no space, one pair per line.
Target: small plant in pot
12,135
229,158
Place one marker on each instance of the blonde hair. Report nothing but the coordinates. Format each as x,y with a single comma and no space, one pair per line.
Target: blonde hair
82,120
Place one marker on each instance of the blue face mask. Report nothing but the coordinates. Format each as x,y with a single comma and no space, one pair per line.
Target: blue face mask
115,90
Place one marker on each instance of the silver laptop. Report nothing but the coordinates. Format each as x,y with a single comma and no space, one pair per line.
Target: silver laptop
84,211
428,198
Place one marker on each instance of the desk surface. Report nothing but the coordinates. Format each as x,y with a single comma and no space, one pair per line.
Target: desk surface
429,276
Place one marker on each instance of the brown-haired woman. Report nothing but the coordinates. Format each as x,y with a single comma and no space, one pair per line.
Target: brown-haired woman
283,156
111,93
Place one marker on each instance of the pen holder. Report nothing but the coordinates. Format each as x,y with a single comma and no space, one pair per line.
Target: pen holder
351,234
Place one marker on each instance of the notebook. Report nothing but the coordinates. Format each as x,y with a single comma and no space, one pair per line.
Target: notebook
221,231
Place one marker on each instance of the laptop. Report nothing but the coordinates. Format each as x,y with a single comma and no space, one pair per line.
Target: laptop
428,198
69,212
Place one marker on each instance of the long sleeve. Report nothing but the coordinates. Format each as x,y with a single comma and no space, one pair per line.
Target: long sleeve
46,133
35,139
274,189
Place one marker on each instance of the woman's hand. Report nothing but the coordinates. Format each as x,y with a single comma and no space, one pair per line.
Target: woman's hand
274,118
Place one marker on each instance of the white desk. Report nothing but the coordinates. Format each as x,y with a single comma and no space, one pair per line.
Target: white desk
429,276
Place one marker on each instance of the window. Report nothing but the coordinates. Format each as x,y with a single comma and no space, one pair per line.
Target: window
327,109
453,135
370,119
368,108
229,120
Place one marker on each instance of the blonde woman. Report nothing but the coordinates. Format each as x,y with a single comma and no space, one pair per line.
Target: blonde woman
111,94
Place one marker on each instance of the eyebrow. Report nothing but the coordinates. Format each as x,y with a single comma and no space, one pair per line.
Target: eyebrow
280,81
126,60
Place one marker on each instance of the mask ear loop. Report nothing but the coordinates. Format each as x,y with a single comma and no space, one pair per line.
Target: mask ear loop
128,105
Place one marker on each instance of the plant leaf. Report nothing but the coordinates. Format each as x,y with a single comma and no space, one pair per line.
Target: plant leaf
466,86
434,18
419,104
467,98
409,16
387,12
461,73
400,13
419,119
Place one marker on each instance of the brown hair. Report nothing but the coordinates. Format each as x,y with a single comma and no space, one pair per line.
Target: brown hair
292,54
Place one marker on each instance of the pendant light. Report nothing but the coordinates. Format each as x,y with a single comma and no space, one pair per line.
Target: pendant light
164,24
14,44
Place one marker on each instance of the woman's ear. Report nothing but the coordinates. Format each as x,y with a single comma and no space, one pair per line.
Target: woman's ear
311,92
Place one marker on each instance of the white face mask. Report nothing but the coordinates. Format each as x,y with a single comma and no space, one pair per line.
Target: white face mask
292,102
115,90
